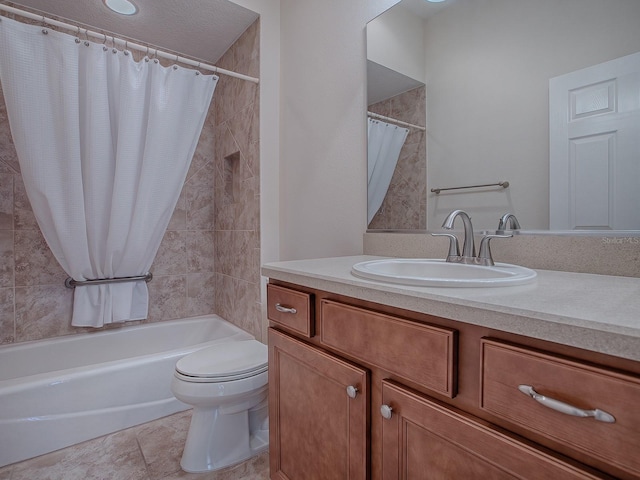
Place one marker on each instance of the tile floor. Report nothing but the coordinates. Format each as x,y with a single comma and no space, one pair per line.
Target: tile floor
147,452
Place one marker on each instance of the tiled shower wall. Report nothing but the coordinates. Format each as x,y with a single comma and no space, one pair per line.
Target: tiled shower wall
192,275
237,187
408,188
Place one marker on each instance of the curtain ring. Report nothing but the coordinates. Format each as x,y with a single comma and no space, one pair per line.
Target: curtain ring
146,57
104,43
126,47
175,67
44,30
78,35
197,72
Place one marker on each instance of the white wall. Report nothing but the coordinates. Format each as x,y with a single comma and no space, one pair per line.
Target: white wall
396,40
323,126
489,65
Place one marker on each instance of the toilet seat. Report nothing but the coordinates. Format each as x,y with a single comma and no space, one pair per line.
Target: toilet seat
224,362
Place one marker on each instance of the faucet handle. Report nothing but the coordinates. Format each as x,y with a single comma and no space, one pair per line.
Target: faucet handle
484,255
454,247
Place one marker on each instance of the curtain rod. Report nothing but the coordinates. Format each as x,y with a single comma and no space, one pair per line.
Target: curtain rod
127,44
397,122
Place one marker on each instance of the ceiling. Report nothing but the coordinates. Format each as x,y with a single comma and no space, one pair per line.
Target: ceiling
202,29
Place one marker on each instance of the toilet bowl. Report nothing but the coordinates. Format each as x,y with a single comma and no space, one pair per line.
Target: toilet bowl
226,385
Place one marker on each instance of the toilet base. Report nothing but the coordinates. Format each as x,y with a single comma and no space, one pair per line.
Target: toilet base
219,439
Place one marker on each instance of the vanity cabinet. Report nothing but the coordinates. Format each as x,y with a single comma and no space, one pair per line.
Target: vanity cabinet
318,413
422,438
382,393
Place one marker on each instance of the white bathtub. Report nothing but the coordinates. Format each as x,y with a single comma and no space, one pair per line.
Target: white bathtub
58,392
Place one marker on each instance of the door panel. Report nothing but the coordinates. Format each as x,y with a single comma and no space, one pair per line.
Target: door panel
594,132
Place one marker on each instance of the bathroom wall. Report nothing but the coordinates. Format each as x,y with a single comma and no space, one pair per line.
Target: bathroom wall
188,281
323,188
405,204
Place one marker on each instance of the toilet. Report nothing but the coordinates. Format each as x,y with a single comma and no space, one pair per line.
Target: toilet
226,384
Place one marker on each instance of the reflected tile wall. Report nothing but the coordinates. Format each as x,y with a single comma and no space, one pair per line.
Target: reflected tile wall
191,276
408,188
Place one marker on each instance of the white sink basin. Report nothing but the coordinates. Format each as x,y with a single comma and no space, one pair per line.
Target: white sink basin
438,273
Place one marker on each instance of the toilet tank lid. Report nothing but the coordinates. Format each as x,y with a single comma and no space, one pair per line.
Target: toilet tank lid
225,359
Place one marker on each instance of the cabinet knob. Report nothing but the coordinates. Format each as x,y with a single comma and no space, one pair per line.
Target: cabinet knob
385,411
284,309
352,391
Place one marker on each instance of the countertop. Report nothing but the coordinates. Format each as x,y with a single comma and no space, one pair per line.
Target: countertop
600,313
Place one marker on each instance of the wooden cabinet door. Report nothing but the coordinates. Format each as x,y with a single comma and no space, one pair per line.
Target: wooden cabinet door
423,439
318,426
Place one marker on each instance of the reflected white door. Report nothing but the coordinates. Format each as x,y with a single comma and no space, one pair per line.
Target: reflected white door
594,133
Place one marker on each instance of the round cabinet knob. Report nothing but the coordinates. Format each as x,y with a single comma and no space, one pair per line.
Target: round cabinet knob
385,411
352,391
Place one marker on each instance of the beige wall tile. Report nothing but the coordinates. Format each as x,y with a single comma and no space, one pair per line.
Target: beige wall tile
7,262
171,258
24,218
167,297
43,311
200,247
200,294
7,315
6,197
34,262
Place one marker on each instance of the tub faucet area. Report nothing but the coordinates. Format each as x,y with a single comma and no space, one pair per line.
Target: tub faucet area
468,255
508,222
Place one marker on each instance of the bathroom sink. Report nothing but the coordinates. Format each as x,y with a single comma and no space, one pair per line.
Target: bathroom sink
438,273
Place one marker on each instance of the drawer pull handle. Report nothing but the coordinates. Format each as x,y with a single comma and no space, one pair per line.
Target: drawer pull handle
283,309
385,411
352,391
565,407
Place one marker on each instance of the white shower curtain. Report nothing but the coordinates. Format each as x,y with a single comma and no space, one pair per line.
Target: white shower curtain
384,144
104,145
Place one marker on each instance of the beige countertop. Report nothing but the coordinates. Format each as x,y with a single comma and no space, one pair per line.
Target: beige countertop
600,313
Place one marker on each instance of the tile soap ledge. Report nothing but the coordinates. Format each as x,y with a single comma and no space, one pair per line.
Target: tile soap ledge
594,312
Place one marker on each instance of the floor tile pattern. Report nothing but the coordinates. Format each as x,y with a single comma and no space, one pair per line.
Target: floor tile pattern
150,451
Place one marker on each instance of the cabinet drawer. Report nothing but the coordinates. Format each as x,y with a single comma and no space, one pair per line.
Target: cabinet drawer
505,367
416,352
425,439
290,309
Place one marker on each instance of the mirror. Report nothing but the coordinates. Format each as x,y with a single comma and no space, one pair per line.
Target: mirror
485,67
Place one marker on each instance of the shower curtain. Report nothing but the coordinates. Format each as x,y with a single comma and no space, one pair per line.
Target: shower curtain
104,145
384,144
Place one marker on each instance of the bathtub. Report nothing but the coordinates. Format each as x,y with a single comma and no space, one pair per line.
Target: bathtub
59,392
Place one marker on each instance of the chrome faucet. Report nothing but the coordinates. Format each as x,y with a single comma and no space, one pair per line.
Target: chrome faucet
469,245
508,219
469,248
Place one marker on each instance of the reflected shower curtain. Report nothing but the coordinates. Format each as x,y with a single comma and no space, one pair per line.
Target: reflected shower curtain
384,144
104,145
